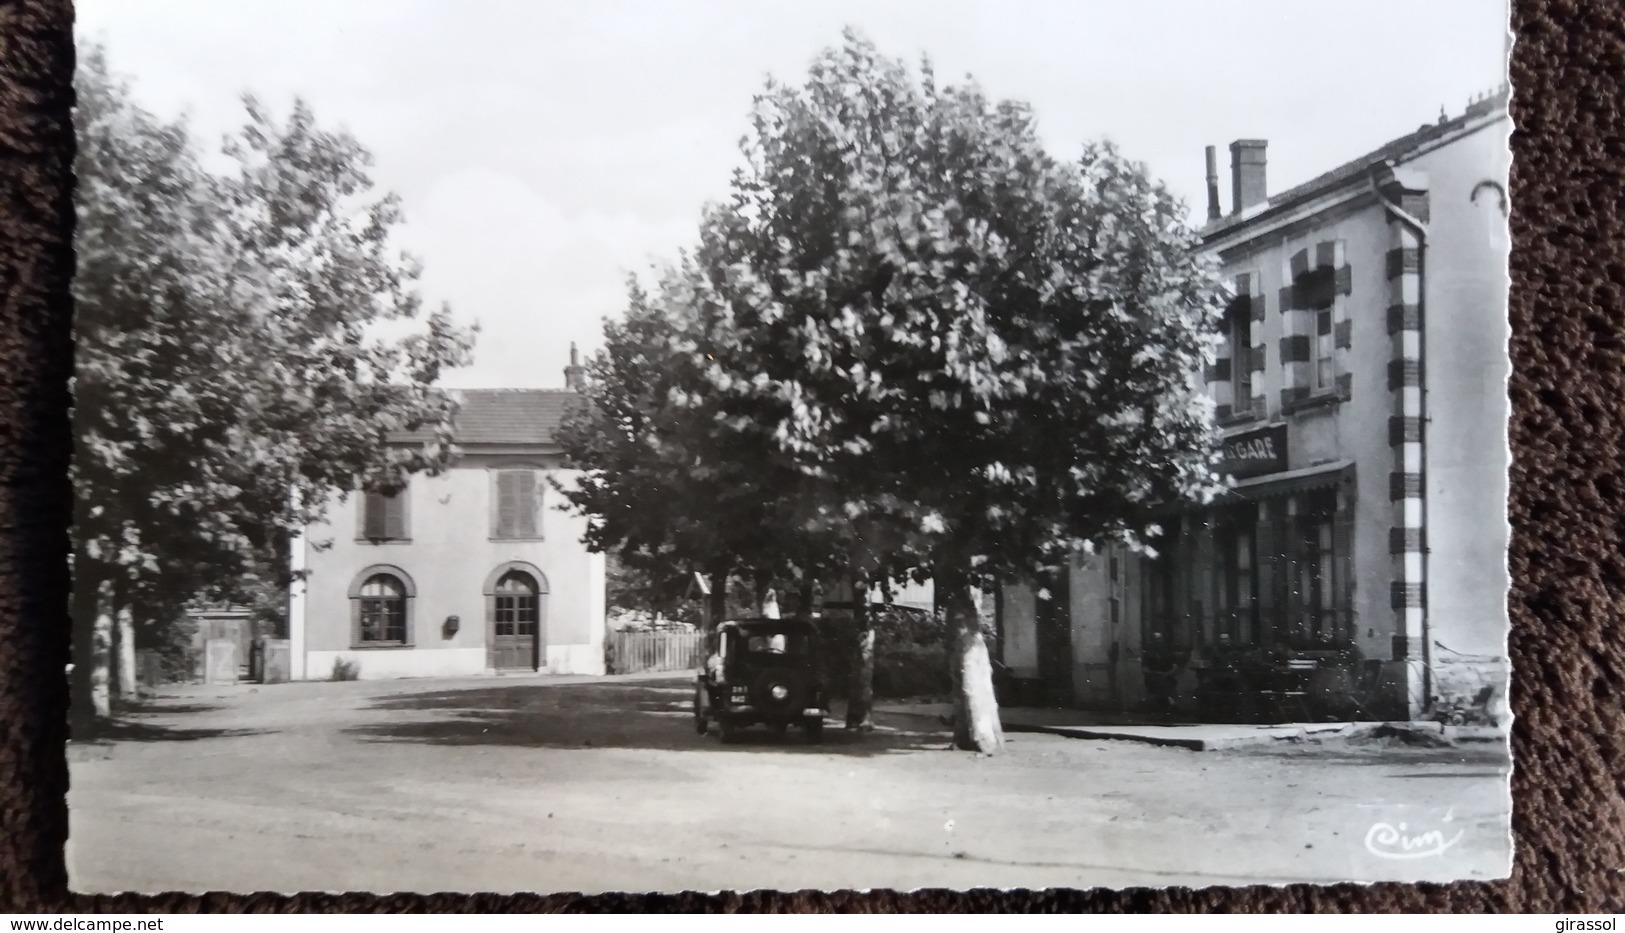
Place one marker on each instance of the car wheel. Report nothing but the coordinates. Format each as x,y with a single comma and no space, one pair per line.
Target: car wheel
814,730
779,729
730,732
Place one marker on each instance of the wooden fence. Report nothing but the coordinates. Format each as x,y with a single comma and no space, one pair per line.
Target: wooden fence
635,652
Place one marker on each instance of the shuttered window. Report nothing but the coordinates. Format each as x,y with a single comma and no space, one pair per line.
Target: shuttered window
517,499
1324,372
1241,360
1314,352
383,516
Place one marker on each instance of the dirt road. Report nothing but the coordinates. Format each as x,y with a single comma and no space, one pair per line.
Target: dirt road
535,784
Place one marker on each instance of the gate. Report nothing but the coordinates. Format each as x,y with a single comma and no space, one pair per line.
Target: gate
638,652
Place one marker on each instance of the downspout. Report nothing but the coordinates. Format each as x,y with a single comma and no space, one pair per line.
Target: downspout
1421,230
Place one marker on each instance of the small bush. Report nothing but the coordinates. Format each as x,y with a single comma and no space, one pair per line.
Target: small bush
912,671
345,670
910,654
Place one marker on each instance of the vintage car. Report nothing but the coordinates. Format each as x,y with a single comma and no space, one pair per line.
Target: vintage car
761,672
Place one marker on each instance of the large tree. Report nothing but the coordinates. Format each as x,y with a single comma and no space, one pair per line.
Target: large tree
230,373
678,473
983,353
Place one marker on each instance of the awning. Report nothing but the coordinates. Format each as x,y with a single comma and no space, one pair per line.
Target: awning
1272,485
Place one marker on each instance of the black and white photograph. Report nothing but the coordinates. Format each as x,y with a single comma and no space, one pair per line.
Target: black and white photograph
702,445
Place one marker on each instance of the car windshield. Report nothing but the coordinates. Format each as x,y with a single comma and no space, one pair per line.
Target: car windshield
778,643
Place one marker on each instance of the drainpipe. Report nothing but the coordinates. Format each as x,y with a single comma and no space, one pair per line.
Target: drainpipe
1421,230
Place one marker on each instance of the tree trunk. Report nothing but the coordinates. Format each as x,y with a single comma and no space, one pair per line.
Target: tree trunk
805,610
976,712
717,609
763,593
860,699
81,684
124,685
767,602
93,655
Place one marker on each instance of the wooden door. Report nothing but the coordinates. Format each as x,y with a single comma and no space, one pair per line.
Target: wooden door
516,623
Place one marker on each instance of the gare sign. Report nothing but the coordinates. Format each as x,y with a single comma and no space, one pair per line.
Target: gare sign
1255,452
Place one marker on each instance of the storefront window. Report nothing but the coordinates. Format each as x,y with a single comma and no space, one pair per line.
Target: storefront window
1236,570
1158,600
1321,621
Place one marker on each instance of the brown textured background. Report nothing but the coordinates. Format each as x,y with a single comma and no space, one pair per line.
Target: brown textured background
1568,271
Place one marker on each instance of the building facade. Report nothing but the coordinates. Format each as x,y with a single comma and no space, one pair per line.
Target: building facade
1357,566
473,571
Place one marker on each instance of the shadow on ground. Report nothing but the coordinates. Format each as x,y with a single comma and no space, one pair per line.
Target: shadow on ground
160,706
1480,759
134,730
643,716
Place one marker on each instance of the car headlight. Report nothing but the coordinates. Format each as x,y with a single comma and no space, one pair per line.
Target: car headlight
779,692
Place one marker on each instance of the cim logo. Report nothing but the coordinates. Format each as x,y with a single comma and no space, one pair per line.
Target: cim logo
1406,840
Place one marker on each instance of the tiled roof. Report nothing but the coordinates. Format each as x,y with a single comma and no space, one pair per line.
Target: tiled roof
505,416
1397,150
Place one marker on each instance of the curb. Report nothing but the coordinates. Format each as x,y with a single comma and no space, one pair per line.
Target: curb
1191,743
1442,734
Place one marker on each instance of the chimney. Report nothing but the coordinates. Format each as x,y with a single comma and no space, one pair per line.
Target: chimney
1247,174
575,378
1213,212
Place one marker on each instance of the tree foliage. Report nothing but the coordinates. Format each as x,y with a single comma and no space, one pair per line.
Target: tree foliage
668,483
231,371
988,350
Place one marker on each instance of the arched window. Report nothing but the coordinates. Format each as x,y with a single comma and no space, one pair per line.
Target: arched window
381,608
517,609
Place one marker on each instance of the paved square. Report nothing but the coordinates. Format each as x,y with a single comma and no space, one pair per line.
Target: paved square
559,784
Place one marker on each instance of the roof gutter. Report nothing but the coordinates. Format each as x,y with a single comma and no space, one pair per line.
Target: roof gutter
1392,208
1255,228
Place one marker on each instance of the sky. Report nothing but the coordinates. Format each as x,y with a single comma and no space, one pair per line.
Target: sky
545,150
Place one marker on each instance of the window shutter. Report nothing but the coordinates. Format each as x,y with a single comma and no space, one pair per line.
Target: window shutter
516,504
524,500
372,516
505,504
395,527
383,517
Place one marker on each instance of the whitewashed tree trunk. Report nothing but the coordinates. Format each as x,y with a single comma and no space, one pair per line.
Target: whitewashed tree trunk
976,711
101,652
124,654
717,601
861,696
